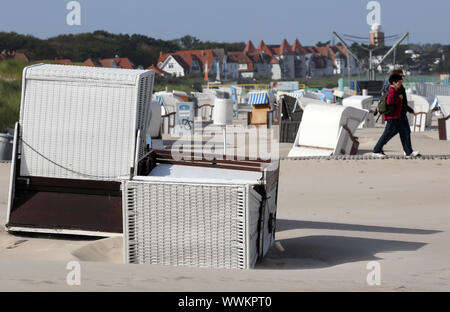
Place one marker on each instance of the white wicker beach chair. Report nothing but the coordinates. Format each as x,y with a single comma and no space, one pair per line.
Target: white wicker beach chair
81,131
327,129
81,122
203,215
205,105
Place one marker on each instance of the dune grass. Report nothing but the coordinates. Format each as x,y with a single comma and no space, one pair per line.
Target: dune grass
10,92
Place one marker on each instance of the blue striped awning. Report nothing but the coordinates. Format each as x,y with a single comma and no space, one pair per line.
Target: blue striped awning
435,104
296,94
257,98
160,100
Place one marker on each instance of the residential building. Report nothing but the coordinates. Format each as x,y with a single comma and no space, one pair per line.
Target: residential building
4,55
158,72
184,62
116,62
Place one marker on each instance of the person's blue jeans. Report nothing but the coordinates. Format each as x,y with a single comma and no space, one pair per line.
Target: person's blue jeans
405,124
394,126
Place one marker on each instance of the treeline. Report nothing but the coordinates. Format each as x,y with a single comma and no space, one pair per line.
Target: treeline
140,49
425,62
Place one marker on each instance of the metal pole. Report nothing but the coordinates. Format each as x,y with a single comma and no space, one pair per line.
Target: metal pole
346,46
395,52
224,131
348,68
394,47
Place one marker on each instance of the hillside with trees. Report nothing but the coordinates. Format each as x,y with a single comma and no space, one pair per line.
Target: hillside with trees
140,49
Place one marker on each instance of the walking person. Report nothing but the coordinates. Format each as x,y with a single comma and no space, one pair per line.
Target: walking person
405,109
394,123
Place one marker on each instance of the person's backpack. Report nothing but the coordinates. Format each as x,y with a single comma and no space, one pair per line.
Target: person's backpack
383,108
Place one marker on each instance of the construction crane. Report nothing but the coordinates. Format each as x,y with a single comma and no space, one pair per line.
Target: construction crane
371,71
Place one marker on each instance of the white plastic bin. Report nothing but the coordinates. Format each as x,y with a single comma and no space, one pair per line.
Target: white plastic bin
223,111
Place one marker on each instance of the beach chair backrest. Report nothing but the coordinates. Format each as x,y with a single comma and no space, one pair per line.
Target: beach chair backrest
322,126
419,103
80,122
444,104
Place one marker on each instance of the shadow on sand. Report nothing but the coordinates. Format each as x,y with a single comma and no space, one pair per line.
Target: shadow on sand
284,225
315,252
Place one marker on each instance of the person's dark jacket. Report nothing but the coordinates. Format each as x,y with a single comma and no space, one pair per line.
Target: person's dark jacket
405,107
401,91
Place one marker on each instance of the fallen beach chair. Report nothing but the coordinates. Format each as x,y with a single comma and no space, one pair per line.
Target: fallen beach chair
328,129
202,213
444,122
421,119
361,102
80,133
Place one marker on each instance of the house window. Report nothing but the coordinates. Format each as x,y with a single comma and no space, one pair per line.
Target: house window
170,65
242,66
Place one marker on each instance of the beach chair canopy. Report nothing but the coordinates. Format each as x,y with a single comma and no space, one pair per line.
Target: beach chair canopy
80,122
258,98
418,103
444,103
322,133
358,101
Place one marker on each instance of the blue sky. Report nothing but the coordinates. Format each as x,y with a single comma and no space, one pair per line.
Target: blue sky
232,20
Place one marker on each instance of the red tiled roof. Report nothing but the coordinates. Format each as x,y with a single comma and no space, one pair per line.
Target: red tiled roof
342,49
92,62
297,48
188,56
4,55
242,58
120,62
323,50
312,50
108,63
250,48
285,48
21,56
263,47
157,70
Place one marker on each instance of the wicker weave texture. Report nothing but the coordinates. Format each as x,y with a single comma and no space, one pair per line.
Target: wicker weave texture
81,123
190,224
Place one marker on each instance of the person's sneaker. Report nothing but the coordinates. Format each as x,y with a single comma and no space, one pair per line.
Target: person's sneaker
414,154
379,155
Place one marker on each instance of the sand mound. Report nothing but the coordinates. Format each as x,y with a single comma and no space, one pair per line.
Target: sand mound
105,250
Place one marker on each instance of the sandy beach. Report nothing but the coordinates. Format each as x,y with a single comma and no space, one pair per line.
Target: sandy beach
334,217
